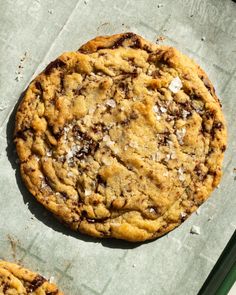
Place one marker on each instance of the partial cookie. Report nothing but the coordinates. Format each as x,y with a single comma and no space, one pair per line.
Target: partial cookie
15,279
122,138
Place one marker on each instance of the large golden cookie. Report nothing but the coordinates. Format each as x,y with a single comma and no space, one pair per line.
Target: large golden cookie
122,138
16,280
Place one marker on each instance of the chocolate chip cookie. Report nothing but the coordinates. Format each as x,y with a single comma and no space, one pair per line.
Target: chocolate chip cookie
122,138
17,280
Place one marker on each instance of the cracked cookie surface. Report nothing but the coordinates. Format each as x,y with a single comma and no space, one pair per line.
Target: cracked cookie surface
123,138
16,280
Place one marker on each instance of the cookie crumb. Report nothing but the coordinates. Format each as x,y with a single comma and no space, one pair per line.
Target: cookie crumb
198,211
3,107
50,11
175,85
195,230
160,5
160,39
52,279
203,38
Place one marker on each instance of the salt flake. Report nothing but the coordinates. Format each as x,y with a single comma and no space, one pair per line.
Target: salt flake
87,192
111,103
183,214
175,85
163,110
155,109
180,135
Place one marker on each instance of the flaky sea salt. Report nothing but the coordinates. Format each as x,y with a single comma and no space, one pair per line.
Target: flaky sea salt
155,157
111,103
163,110
195,230
181,174
49,153
133,144
70,174
185,114
106,161
91,110
43,184
180,135
71,153
152,210
166,174
175,85
183,214
155,109
108,141
87,192
115,150
167,157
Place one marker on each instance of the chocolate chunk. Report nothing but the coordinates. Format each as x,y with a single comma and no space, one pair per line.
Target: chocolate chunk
89,146
57,135
208,85
120,41
38,85
223,148
36,283
6,286
52,293
54,64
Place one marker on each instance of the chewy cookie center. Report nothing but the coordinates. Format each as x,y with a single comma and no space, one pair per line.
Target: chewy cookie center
129,147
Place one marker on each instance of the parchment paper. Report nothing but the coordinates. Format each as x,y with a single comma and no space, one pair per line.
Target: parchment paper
32,33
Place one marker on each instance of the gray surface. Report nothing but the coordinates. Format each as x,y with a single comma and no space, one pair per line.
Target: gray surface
179,262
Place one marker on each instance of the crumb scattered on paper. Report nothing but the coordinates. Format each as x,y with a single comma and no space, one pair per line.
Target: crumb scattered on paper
3,107
160,39
198,211
50,11
203,38
19,71
195,230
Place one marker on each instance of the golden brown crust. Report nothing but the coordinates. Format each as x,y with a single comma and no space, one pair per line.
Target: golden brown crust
122,139
111,42
15,279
